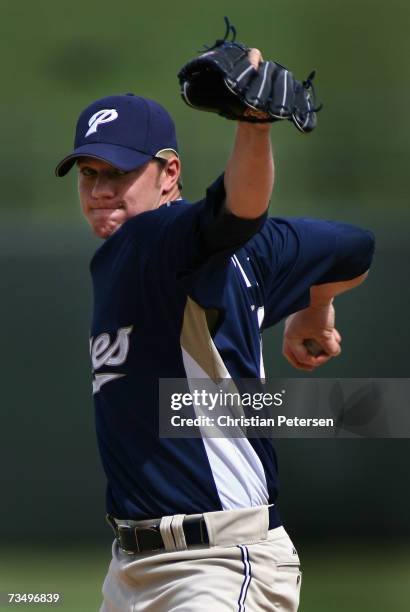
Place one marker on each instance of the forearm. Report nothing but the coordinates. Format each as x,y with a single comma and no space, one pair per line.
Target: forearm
249,175
322,295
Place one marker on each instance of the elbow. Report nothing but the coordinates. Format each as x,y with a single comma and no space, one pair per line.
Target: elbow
358,248
365,249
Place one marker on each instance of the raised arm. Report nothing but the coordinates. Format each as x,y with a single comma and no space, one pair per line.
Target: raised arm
249,175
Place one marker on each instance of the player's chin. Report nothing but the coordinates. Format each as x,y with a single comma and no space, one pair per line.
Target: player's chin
106,222
106,229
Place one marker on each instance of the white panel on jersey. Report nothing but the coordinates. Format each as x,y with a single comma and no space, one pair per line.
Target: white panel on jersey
236,468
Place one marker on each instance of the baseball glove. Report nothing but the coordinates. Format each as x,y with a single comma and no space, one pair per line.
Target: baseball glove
223,81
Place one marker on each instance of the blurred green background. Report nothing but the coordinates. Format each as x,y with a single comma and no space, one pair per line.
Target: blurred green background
346,503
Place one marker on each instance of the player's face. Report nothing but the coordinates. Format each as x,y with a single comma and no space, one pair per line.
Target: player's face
109,196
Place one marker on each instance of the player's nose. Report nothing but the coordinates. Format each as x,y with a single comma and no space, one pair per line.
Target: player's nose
103,187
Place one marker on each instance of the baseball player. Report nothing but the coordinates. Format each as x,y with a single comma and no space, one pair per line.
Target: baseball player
184,291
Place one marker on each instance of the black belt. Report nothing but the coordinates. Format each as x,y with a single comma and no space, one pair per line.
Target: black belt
134,539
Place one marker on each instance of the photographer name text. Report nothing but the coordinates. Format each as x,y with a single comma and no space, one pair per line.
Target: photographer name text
254,421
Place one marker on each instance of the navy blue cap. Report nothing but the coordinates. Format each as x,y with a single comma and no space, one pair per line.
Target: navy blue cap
125,131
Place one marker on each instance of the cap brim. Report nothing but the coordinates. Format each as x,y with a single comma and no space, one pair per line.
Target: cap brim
120,157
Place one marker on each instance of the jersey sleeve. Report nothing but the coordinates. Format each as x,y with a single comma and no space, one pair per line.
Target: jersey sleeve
291,255
187,236
217,229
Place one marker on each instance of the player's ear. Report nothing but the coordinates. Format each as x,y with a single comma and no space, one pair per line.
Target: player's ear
171,174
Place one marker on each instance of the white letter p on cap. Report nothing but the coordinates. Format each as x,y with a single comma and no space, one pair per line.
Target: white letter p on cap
102,116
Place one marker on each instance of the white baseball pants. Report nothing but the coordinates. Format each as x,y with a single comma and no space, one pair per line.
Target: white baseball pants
246,568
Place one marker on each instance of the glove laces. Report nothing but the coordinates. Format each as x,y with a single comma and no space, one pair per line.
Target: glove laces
308,84
220,41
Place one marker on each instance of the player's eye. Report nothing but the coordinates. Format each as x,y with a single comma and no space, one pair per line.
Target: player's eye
86,171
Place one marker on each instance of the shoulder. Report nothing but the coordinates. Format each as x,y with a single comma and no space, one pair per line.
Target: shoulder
158,218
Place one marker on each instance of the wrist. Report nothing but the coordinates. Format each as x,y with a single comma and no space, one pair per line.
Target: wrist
321,296
254,128
320,302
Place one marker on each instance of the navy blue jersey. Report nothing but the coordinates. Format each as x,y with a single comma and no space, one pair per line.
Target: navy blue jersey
156,281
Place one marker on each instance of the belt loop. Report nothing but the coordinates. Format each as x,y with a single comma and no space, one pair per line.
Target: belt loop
172,532
178,531
166,533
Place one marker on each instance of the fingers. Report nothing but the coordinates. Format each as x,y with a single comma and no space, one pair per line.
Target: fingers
298,356
331,345
308,363
295,350
255,57
243,71
287,353
328,343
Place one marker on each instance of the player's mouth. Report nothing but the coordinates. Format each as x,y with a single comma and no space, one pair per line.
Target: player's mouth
98,209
